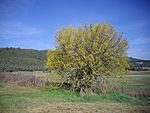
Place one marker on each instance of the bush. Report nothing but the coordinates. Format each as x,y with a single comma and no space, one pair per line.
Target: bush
84,54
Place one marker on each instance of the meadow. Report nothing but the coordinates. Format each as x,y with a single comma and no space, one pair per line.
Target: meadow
17,97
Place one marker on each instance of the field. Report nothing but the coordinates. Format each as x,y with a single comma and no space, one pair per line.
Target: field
138,84
17,97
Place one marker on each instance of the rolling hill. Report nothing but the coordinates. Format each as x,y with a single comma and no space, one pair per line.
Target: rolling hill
146,63
16,59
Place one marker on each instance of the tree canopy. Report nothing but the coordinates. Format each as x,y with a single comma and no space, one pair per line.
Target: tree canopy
85,53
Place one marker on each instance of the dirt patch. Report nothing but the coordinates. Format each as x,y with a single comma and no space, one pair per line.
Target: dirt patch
89,108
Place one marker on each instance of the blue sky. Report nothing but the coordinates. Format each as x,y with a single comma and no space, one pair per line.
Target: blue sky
33,23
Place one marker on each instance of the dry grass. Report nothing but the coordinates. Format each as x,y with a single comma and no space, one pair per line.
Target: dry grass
18,99
22,80
88,108
19,95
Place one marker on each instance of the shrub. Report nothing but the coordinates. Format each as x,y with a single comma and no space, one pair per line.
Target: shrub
84,54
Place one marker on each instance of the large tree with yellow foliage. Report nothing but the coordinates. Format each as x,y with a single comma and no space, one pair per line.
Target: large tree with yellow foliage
84,54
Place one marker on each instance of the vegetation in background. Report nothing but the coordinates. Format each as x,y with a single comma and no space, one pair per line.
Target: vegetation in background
84,54
16,59
137,86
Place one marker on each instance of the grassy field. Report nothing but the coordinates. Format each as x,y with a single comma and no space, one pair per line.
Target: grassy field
138,84
19,99
138,81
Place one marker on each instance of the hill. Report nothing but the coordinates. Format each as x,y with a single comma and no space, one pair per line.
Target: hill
134,61
16,59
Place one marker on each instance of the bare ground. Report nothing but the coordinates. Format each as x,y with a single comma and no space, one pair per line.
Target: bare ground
89,108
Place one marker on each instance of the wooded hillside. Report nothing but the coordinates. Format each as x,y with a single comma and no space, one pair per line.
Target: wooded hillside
16,59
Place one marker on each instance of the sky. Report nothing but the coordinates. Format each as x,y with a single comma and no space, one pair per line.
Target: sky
32,24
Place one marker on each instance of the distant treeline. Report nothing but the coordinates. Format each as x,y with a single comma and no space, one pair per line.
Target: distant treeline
138,64
17,59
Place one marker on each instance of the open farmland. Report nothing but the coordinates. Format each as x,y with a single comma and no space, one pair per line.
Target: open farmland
138,81
138,84
16,98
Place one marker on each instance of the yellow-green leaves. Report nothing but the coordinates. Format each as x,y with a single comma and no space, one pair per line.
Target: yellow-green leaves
87,53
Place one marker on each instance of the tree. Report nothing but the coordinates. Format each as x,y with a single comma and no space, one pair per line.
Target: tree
84,54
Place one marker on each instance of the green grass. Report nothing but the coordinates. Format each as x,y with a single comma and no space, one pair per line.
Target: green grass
117,98
62,95
16,99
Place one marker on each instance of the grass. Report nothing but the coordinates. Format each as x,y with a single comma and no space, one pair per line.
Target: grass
19,99
117,98
137,79
61,95
15,98
140,81
138,84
